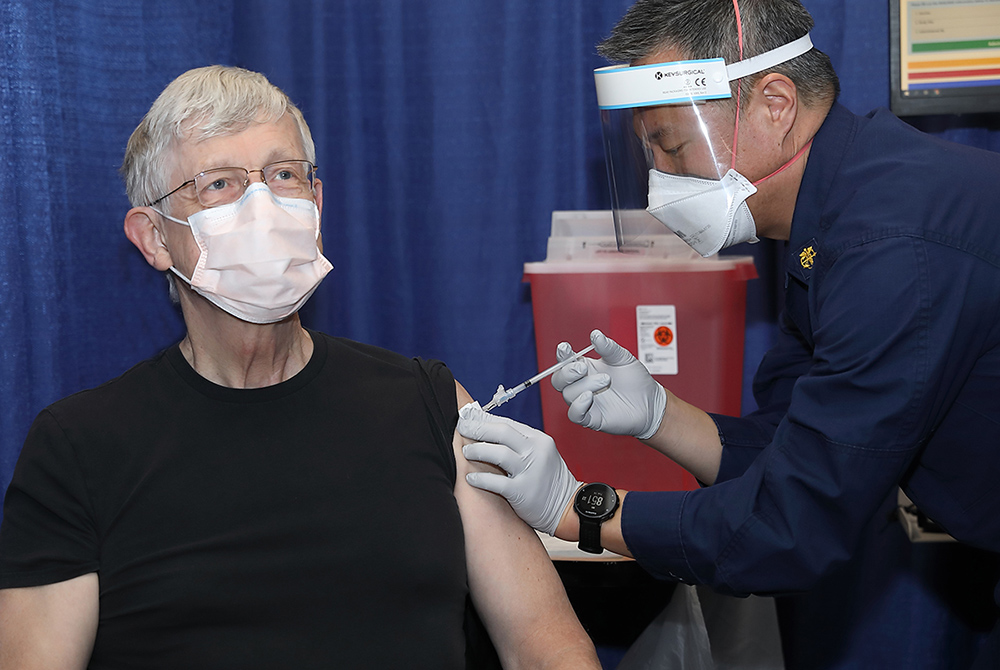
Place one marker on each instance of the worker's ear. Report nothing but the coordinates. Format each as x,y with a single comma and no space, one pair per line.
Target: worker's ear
775,105
141,230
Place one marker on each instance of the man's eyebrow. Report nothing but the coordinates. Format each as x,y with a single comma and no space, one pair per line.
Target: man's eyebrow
656,134
275,156
659,131
279,155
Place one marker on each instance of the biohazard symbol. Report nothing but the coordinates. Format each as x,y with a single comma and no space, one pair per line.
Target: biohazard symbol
663,336
807,257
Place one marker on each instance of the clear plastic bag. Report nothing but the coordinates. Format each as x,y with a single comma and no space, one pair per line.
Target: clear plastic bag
701,630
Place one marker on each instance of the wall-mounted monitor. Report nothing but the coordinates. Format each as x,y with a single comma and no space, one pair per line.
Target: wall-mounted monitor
945,56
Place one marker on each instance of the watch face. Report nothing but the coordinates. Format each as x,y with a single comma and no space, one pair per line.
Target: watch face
596,501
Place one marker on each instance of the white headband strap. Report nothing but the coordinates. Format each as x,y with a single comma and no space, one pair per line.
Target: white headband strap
769,59
622,86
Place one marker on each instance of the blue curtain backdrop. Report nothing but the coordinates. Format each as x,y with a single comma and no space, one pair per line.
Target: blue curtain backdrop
447,132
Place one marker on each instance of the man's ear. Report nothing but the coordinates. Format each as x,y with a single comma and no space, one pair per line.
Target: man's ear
141,231
318,195
778,101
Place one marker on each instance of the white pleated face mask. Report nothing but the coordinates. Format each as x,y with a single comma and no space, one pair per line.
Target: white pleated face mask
259,260
708,214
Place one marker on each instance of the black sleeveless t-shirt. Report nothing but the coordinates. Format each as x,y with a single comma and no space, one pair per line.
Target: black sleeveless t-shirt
309,524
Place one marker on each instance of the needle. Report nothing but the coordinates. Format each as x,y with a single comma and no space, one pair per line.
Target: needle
503,395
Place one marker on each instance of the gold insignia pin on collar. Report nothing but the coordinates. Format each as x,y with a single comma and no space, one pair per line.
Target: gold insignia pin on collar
807,257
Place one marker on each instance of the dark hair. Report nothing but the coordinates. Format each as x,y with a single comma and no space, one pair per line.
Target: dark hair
707,29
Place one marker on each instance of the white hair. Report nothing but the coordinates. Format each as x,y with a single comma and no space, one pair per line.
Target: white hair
201,103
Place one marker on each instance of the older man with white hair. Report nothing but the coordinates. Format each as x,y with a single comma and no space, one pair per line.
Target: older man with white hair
259,495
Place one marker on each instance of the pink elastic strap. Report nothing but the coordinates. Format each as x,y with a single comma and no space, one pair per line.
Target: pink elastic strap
736,130
782,168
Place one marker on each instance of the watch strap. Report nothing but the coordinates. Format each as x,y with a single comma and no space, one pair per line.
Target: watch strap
590,536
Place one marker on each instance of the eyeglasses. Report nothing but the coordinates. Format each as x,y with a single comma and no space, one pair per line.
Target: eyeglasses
221,186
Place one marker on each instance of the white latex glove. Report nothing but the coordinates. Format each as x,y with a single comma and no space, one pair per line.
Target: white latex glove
538,484
614,394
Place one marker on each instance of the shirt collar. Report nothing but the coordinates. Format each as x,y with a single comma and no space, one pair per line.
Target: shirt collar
832,141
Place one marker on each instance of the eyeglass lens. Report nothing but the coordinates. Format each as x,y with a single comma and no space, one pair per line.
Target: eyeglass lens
221,186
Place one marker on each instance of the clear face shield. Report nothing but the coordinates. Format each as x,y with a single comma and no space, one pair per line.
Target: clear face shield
670,132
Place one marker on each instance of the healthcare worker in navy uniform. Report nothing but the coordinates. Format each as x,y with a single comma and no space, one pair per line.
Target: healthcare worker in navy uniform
886,370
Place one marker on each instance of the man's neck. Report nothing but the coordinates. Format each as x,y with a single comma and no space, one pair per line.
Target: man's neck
773,206
238,354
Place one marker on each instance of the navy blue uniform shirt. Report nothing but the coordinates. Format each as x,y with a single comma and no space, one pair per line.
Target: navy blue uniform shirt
886,371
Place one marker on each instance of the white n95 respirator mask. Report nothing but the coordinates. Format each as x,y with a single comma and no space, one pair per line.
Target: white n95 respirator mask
259,260
708,214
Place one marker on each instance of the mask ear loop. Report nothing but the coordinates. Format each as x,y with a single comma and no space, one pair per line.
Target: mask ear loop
786,165
736,130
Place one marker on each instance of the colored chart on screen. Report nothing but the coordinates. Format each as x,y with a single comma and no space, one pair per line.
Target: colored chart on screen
949,44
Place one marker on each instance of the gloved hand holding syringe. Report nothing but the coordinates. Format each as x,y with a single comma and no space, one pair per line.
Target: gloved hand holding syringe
503,395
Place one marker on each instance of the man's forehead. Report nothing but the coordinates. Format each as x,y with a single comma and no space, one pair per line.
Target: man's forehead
665,119
203,129
266,141
661,120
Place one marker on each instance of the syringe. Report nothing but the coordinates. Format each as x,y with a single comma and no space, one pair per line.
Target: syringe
502,395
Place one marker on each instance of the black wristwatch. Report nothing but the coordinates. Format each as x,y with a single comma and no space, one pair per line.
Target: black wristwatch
594,504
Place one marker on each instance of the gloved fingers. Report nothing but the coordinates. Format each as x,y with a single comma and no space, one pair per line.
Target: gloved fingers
591,383
563,351
472,421
611,352
569,374
495,454
500,430
473,413
579,408
493,483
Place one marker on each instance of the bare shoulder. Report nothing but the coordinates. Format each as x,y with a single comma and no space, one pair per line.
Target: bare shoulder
459,441
462,395
513,583
487,517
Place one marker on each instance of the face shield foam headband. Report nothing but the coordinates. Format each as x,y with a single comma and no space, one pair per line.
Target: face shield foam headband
666,164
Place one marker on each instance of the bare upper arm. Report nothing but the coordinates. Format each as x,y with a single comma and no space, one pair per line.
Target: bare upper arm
51,626
514,585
